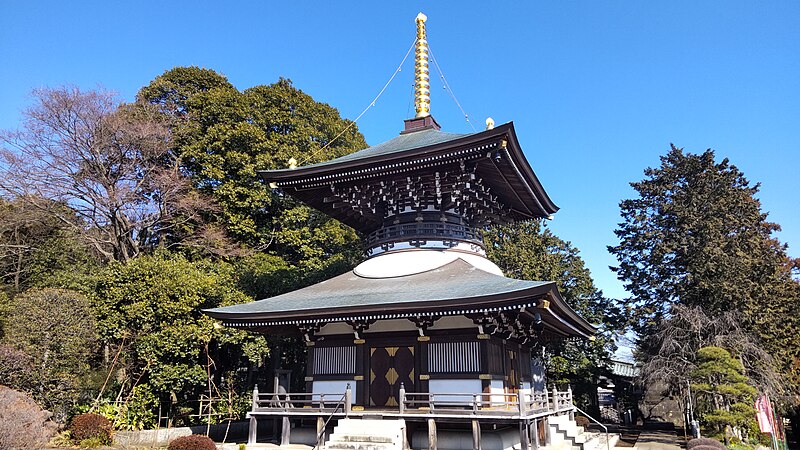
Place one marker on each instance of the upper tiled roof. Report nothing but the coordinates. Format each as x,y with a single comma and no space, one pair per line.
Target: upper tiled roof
407,141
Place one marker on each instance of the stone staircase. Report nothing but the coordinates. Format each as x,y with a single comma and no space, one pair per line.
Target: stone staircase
366,434
565,434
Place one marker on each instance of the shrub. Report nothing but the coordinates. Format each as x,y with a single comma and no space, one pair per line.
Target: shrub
704,442
63,439
94,442
582,421
89,426
193,442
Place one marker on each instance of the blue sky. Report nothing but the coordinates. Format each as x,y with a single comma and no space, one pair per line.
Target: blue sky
597,90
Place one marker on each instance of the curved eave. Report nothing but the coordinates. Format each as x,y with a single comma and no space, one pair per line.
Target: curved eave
333,170
562,313
558,317
509,177
526,172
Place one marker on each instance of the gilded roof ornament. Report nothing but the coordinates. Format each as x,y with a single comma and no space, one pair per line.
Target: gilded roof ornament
422,85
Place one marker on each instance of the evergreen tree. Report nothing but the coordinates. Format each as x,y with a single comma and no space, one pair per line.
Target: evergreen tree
696,236
725,399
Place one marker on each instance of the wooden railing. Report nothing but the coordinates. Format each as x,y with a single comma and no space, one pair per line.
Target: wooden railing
301,400
520,402
483,403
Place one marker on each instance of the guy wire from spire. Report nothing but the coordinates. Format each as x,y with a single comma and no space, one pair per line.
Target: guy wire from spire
371,104
449,90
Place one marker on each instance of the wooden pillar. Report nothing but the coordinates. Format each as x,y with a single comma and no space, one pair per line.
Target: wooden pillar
320,431
362,374
252,432
286,430
348,400
433,441
476,435
524,436
547,438
401,398
569,403
535,434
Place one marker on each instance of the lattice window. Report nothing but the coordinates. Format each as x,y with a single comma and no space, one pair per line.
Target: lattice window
334,360
453,357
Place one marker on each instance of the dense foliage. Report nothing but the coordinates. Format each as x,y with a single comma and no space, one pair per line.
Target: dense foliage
52,332
141,215
223,136
696,235
530,251
149,313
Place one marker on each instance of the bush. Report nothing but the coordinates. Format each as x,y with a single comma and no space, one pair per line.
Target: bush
193,442
704,442
94,442
582,421
91,426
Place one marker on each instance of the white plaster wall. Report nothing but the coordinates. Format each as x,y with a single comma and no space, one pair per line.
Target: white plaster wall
333,389
336,328
496,387
451,322
445,323
391,325
455,387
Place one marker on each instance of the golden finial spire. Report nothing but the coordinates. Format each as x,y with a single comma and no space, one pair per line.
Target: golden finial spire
422,85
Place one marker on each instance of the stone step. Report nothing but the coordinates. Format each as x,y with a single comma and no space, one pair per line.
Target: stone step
358,446
362,438
367,434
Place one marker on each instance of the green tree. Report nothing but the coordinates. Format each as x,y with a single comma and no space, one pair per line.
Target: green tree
530,251
149,311
173,89
724,396
53,332
223,136
696,236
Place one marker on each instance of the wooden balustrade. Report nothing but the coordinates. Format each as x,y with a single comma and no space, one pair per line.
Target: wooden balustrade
299,400
482,403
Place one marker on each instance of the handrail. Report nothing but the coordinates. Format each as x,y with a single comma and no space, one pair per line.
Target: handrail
608,440
477,400
533,402
290,400
342,402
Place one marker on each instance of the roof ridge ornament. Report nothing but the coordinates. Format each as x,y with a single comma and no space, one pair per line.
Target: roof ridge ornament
422,86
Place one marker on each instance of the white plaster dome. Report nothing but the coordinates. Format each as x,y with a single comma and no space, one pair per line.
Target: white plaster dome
404,263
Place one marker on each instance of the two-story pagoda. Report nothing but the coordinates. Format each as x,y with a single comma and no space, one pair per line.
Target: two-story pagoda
426,309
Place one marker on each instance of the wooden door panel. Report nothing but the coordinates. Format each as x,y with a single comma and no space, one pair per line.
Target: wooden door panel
389,367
